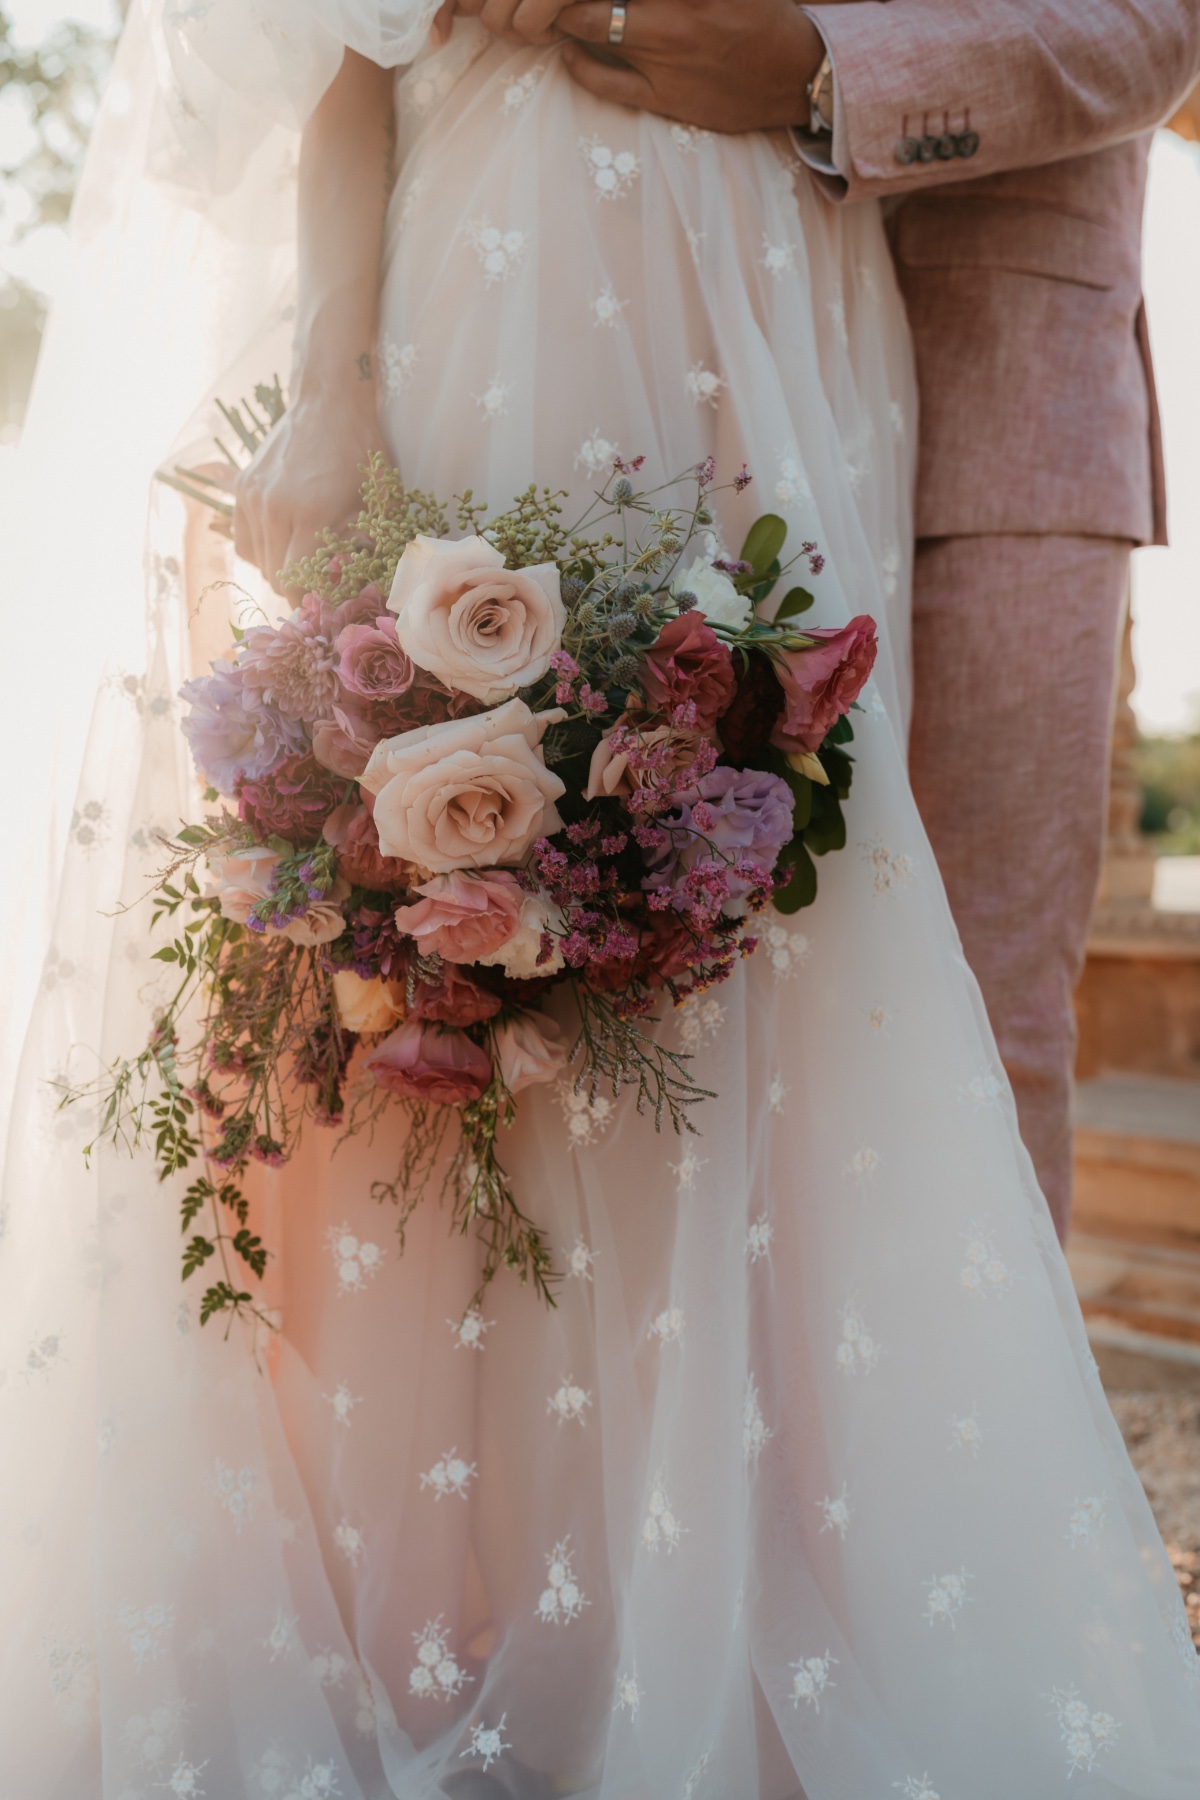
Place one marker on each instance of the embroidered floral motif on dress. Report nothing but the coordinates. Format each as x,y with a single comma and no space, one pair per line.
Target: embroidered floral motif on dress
756,1434
596,453
791,485
667,1326
704,385
493,402
857,1350
965,1434
688,138
356,1262
469,1330
349,1540
863,1163
945,1597
518,92
499,252
568,1401
561,1600
488,1741
397,362
147,1629
891,870
343,1403
777,1091
449,1475
917,1787
987,1088
837,1513
1085,1523
777,259
661,1526
235,1492
613,172
811,1678
699,1018
579,1261
697,1773
629,1694
758,1239
607,309
786,951
283,1639
687,1169
184,1780
983,1272
1087,1736
436,1674
73,1680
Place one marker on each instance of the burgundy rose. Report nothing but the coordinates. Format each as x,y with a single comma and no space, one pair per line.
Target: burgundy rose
688,662
371,664
430,1062
745,730
823,683
292,802
351,831
450,998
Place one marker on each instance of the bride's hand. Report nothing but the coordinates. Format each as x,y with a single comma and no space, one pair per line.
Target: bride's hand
517,21
305,476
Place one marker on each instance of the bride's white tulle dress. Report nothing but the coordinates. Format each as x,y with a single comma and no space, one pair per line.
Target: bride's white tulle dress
808,1485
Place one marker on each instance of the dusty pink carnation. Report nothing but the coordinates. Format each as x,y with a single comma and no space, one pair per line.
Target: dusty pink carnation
292,802
821,684
451,998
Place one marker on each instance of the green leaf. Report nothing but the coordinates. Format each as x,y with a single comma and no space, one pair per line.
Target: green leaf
841,731
251,1251
801,786
764,541
839,767
801,889
196,1255
796,600
827,830
222,1297
193,1201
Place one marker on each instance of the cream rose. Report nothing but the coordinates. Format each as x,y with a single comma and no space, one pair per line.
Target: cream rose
519,956
367,1005
530,1049
240,882
479,627
465,794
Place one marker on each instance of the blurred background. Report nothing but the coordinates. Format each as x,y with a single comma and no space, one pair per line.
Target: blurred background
1135,1251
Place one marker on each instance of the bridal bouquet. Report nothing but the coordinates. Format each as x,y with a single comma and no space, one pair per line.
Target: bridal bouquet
466,773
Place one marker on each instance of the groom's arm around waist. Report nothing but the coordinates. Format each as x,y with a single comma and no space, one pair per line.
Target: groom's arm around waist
996,84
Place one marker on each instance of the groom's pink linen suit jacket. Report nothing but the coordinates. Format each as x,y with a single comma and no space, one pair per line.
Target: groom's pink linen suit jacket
1020,262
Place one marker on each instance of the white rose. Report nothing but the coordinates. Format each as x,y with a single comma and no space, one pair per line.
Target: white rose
716,596
479,627
519,956
465,794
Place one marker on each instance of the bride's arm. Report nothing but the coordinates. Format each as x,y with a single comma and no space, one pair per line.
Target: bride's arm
306,474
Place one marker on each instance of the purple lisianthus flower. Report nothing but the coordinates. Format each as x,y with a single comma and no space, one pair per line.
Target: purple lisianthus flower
731,816
232,732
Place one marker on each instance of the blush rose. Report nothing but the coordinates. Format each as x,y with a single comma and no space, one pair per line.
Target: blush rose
481,628
463,916
468,793
529,1049
367,1005
430,1062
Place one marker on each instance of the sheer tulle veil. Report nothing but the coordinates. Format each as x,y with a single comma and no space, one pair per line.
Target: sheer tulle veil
809,1482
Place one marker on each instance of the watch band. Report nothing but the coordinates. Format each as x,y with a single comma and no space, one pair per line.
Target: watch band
819,93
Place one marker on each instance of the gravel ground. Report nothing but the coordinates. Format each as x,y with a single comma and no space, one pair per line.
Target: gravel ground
1162,1432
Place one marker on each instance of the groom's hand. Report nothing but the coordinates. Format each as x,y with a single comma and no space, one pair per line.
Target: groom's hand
727,65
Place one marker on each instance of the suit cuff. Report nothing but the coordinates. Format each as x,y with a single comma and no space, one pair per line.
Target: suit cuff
828,156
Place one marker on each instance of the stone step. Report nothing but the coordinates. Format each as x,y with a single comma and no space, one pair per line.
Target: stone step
1135,1245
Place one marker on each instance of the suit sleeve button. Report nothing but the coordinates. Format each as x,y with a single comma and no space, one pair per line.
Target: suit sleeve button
907,149
927,149
947,147
968,143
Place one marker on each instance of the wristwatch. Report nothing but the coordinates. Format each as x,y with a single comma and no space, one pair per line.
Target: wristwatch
820,98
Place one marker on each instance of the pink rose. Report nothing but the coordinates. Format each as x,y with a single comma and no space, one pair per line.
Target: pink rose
688,661
430,1062
468,793
452,998
821,684
463,916
481,628
371,664
610,773
344,742
529,1049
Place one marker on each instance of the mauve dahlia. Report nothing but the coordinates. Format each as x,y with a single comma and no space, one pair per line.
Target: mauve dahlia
294,665
232,732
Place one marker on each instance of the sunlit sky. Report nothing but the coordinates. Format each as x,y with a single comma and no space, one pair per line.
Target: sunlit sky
1166,582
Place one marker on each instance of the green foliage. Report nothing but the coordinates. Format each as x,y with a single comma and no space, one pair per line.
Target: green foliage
1169,771
797,600
764,543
